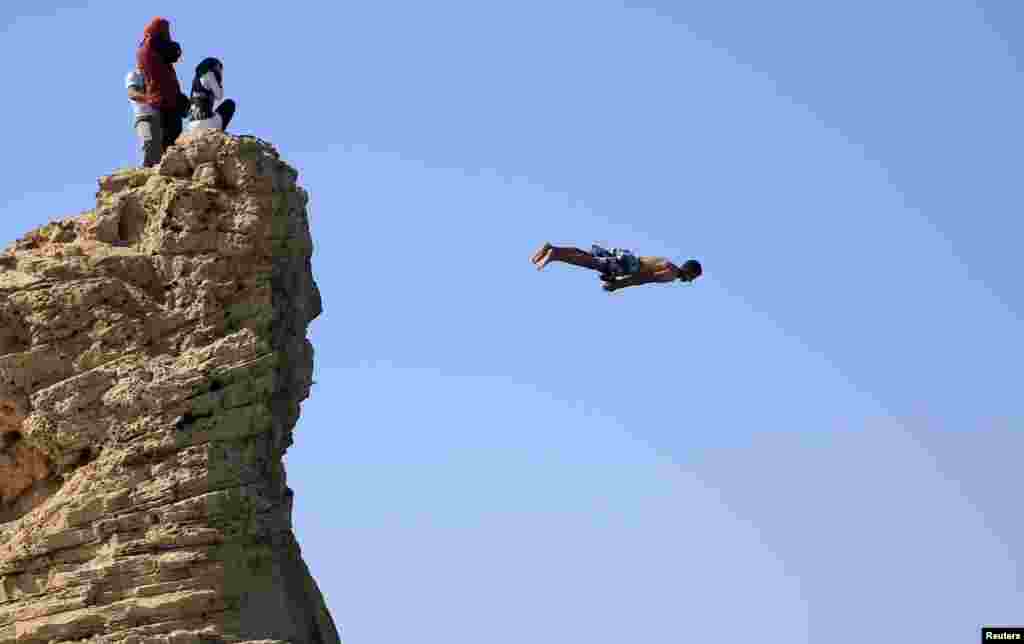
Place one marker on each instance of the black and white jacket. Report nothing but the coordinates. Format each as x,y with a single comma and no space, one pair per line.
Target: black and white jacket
207,91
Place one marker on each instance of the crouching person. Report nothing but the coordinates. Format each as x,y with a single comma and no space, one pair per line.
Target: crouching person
207,92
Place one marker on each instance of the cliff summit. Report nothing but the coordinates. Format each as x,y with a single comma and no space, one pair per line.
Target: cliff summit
153,357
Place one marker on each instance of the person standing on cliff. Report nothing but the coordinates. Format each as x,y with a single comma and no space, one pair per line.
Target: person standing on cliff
156,56
147,119
619,268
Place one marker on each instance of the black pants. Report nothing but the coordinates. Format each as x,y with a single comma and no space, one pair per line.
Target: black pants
220,118
226,110
170,119
170,124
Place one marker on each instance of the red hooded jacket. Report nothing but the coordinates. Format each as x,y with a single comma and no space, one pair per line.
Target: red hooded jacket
162,88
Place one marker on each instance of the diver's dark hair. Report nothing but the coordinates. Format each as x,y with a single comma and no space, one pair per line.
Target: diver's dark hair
692,267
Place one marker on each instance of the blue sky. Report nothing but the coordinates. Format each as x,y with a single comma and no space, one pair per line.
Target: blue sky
816,441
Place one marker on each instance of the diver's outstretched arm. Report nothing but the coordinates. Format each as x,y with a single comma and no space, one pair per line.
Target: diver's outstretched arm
625,282
637,279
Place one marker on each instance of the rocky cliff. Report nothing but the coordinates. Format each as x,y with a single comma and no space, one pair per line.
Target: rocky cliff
153,356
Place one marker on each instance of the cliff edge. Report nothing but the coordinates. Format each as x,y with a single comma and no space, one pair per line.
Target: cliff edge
153,356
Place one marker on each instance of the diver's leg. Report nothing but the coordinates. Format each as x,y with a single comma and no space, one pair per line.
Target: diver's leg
540,252
570,255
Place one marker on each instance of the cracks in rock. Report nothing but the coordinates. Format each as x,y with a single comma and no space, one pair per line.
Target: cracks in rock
27,477
8,439
152,414
30,499
188,418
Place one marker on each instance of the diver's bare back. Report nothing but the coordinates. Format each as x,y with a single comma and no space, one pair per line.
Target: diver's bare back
650,264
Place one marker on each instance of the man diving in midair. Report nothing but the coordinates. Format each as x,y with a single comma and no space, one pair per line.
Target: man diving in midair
619,268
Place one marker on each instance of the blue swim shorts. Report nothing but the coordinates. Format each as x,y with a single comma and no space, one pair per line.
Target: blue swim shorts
616,262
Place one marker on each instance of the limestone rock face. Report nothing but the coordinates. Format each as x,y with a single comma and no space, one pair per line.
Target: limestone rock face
153,356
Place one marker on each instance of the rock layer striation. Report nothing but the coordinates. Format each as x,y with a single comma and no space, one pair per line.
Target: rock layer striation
153,356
